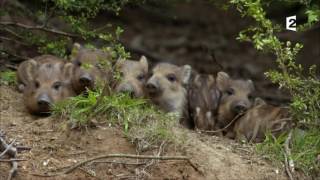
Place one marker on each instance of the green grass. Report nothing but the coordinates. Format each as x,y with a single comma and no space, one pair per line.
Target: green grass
142,123
8,77
305,146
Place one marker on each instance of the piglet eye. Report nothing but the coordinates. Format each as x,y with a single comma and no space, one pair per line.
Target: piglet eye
171,77
77,63
230,91
37,84
250,97
57,85
140,77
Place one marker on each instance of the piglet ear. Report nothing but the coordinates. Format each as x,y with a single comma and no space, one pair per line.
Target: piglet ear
259,101
186,74
222,80
144,62
30,70
75,51
68,71
119,63
251,84
26,73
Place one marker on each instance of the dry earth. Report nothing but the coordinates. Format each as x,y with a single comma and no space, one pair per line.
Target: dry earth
176,35
54,147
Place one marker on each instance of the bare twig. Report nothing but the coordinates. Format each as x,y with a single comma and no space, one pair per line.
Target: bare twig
12,159
8,148
12,40
116,162
153,161
224,128
131,156
12,67
23,148
213,56
12,152
289,164
37,27
15,55
13,33
13,170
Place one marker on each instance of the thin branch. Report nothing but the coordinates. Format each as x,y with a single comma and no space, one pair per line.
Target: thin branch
213,56
15,55
12,40
224,128
12,67
116,162
37,27
131,156
8,148
12,159
13,170
12,152
23,148
13,33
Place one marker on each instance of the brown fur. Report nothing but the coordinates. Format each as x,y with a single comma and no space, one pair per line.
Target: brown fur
47,77
88,64
236,98
260,119
134,74
166,86
203,100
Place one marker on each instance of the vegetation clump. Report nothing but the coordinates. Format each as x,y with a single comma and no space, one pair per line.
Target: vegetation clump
302,84
141,122
8,77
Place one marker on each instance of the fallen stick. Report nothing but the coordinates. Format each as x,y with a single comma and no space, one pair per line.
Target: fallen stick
131,156
116,162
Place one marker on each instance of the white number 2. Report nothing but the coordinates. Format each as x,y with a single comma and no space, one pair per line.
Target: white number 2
291,23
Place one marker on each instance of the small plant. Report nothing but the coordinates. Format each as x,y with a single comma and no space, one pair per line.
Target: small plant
142,124
305,147
304,87
58,24
8,77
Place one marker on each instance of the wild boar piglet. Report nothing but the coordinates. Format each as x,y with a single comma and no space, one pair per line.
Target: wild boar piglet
134,76
46,81
166,87
261,119
236,98
203,101
91,66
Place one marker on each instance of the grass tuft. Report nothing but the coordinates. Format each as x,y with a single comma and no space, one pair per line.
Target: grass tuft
305,147
8,77
141,122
